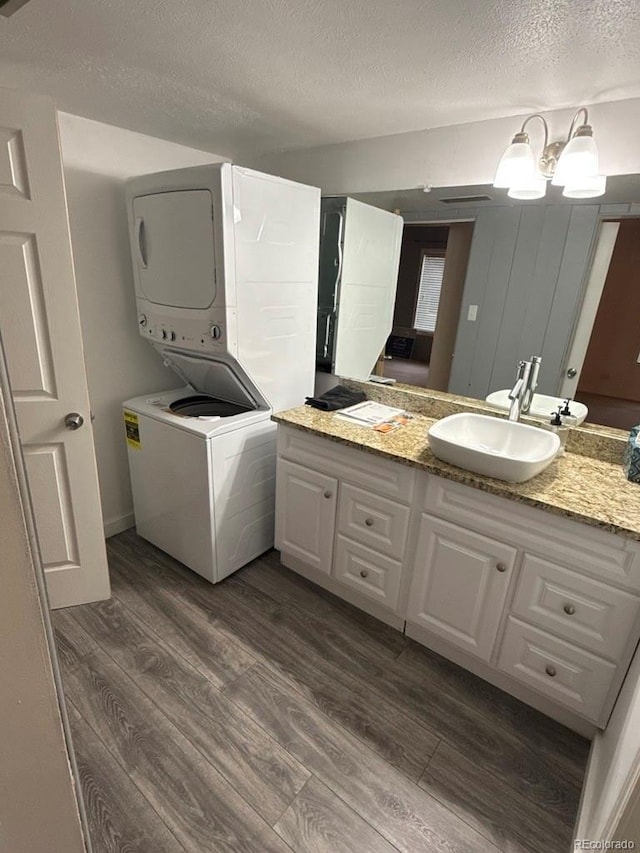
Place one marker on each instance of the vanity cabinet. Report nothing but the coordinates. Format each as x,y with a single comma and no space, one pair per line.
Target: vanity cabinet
542,606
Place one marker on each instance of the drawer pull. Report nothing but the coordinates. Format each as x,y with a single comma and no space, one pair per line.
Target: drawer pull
551,671
364,573
328,493
501,567
368,522
569,609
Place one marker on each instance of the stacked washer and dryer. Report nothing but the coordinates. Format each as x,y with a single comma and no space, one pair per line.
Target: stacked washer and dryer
225,265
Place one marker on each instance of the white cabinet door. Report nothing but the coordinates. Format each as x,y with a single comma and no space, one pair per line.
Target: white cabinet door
460,582
305,514
40,328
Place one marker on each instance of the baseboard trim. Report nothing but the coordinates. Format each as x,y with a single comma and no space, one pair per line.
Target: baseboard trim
118,524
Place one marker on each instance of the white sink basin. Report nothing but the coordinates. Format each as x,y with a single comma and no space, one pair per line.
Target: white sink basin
542,406
492,446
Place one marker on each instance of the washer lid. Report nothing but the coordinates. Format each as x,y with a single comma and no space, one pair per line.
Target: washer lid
216,375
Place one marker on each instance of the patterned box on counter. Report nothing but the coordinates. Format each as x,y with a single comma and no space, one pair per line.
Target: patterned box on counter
631,458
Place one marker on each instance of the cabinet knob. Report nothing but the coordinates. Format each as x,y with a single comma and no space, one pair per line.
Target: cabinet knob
501,567
328,493
368,522
364,573
569,609
550,670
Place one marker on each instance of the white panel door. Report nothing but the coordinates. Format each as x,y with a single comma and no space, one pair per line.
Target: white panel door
460,582
369,277
40,329
305,514
605,245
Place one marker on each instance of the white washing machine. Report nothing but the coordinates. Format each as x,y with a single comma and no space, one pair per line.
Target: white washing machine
225,265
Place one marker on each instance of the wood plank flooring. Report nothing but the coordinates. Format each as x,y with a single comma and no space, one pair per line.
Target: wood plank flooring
264,714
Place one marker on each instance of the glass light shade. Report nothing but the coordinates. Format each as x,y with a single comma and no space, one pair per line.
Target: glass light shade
578,160
589,187
517,166
535,188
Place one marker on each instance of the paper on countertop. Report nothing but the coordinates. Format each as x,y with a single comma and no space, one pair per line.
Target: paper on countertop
368,413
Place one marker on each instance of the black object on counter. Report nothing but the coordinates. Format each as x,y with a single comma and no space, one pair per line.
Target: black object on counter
336,398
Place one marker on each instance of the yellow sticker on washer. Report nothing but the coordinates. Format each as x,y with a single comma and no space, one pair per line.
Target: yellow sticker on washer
133,430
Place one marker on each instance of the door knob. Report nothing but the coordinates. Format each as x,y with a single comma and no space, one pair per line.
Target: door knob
572,373
73,420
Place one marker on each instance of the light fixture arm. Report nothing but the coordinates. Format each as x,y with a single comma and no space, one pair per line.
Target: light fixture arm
575,126
544,122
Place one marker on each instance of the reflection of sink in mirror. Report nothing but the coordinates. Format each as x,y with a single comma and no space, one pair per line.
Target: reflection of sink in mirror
542,405
506,450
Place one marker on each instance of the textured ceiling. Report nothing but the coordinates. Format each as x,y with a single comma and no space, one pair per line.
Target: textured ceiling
244,78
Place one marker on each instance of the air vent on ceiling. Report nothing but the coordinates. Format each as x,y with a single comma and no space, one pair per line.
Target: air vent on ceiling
464,199
8,7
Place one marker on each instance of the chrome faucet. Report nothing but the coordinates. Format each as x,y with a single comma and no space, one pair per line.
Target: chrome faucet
521,395
517,392
527,397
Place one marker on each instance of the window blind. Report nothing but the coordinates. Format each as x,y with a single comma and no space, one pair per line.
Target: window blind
429,288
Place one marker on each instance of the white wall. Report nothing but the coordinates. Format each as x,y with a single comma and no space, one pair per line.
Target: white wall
614,764
458,155
97,158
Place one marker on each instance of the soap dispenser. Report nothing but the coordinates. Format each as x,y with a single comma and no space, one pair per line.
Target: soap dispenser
568,418
556,425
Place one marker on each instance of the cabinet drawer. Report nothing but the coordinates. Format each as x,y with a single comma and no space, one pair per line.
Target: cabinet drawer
374,521
369,572
576,607
382,476
571,676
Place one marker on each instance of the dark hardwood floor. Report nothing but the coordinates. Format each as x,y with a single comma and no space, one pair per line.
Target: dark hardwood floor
263,714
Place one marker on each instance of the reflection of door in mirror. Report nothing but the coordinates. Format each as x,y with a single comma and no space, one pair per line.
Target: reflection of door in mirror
608,339
433,264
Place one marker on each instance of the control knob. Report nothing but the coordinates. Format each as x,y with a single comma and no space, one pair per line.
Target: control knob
215,332
142,320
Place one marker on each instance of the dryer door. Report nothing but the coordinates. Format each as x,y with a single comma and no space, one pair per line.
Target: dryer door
173,248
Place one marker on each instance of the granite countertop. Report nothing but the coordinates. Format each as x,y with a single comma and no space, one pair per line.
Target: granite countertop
589,490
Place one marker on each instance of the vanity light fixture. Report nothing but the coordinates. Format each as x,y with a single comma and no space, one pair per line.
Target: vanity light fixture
572,164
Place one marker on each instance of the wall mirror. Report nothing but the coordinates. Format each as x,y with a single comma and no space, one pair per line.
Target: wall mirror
553,277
